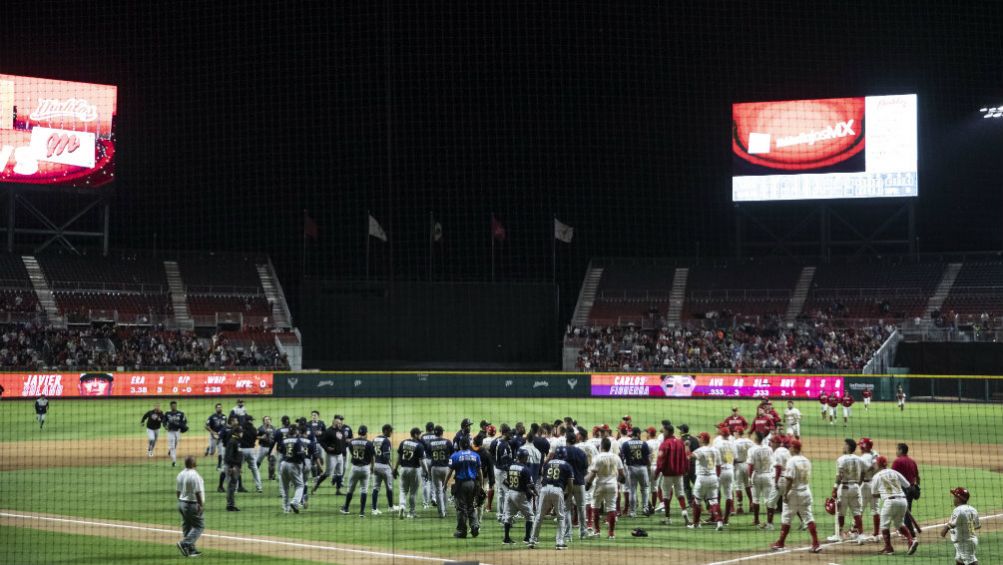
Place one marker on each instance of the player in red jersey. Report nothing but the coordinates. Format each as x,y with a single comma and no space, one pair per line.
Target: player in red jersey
867,394
833,403
823,399
736,420
847,403
763,423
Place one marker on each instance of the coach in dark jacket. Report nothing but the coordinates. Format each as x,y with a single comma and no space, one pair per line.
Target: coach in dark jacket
232,460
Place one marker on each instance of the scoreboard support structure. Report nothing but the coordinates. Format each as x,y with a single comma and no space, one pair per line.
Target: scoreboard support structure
807,228
38,227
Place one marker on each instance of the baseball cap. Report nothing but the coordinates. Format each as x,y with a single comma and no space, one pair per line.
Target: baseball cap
339,417
626,418
795,444
485,423
651,430
962,493
723,429
561,452
734,408
881,461
704,436
466,422
363,430
523,453
865,442
623,426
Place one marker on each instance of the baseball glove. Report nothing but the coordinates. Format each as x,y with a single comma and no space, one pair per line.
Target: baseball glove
452,488
830,506
479,497
184,428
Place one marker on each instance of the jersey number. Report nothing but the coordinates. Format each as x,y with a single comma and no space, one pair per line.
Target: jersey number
359,453
554,473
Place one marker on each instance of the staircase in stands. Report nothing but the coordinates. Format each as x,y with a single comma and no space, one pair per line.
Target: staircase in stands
677,296
943,289
42,290
587,297
800,295
281,318
179,295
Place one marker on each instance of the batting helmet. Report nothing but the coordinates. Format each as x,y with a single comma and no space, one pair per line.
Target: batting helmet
830,505
962,493
865,443
561,453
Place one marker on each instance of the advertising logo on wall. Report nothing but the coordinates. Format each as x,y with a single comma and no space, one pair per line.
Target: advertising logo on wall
77,385
55,132
725,385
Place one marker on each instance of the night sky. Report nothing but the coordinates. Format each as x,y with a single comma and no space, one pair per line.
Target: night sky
234,117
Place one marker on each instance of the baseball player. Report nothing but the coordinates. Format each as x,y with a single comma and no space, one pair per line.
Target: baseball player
363,461
796,494
291,469
520,491
588,447
278,440
793,417
463,432
501,453
705,490
238,411
736,420
266,445
232,460
214,424
671,467
763,424
823,399
692,444
249,438
606,472
312,454
315,427
653,441
962,525
742,483
761,472
832,404
558,483
867,394
847,403
889,484
465,467
441,449
579,462
900,397
635,455
867,456
42,410
176,424
726,474
846,490
332,444
781,454
381,470
153,419
410,456
427,497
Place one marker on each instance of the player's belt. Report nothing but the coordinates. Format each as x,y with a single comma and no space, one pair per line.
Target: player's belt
846,484
894,497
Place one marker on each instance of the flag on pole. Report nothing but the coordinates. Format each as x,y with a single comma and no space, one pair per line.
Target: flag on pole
497,229
376,230
436,232
563,232
309,226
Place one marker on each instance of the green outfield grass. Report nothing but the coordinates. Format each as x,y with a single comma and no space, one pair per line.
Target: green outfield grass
36,547
143,491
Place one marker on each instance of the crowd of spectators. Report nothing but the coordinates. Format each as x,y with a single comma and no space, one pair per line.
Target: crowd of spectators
38,347
811,345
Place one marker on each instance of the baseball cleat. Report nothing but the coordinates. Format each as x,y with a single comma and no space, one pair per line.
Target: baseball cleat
182,548
693,526
343,510
815,549
362,514
913,546
508,541
887,551
232,509
777,547
411,516
720,527
768,527
400,512
474,532
560,547
833,538
459,535
611,538
194,553
376,512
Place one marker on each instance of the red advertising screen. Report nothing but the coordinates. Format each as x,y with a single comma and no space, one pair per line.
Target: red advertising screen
75,385
55,132
724,385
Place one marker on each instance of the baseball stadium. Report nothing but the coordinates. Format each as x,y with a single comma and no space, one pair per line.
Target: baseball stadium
500,283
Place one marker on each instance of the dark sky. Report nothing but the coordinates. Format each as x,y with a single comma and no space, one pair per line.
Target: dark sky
234,117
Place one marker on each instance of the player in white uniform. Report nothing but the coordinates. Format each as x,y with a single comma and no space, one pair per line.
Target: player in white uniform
591,452
795,485
656,492
962,525
726,447
743,446
846,491
780,457
606,472
889,484
761,473
900,397
867,456
706,487
793,418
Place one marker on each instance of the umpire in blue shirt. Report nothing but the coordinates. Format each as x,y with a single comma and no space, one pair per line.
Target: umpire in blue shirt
465,467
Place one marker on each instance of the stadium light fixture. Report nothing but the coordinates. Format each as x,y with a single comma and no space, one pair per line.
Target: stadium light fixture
992,112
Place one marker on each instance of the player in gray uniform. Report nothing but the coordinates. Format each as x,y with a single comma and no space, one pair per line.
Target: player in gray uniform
441,449
382,473
248,450
426,478
266,444
213,424
311,453
558,484
410,457
176,424
41,410
291,470
363,457
520,490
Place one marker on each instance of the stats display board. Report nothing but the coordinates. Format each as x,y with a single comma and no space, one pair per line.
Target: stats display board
55,132
710,385
863,147
75,385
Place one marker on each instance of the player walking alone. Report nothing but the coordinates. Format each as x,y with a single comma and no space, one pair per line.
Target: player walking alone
41,410
191,505
153,419
176,423
214,424
900,397
793,417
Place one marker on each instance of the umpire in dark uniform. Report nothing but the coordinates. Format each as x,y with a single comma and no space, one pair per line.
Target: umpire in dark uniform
232,461
692,444
465,467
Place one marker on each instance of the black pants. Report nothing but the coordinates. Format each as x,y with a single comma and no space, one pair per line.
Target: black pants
909,521
688,481
466,514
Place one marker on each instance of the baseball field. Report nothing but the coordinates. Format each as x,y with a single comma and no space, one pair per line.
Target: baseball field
82,490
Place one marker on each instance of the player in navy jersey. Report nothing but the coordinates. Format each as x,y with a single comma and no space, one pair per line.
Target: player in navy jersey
291,468
176,423
440,449
410,457
501,454
464,432
363,456
426,478
41,410
519,491
213,424
579,462
558,483
382,473
636,457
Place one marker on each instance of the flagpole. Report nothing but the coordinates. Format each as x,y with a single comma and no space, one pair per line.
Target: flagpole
368,215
